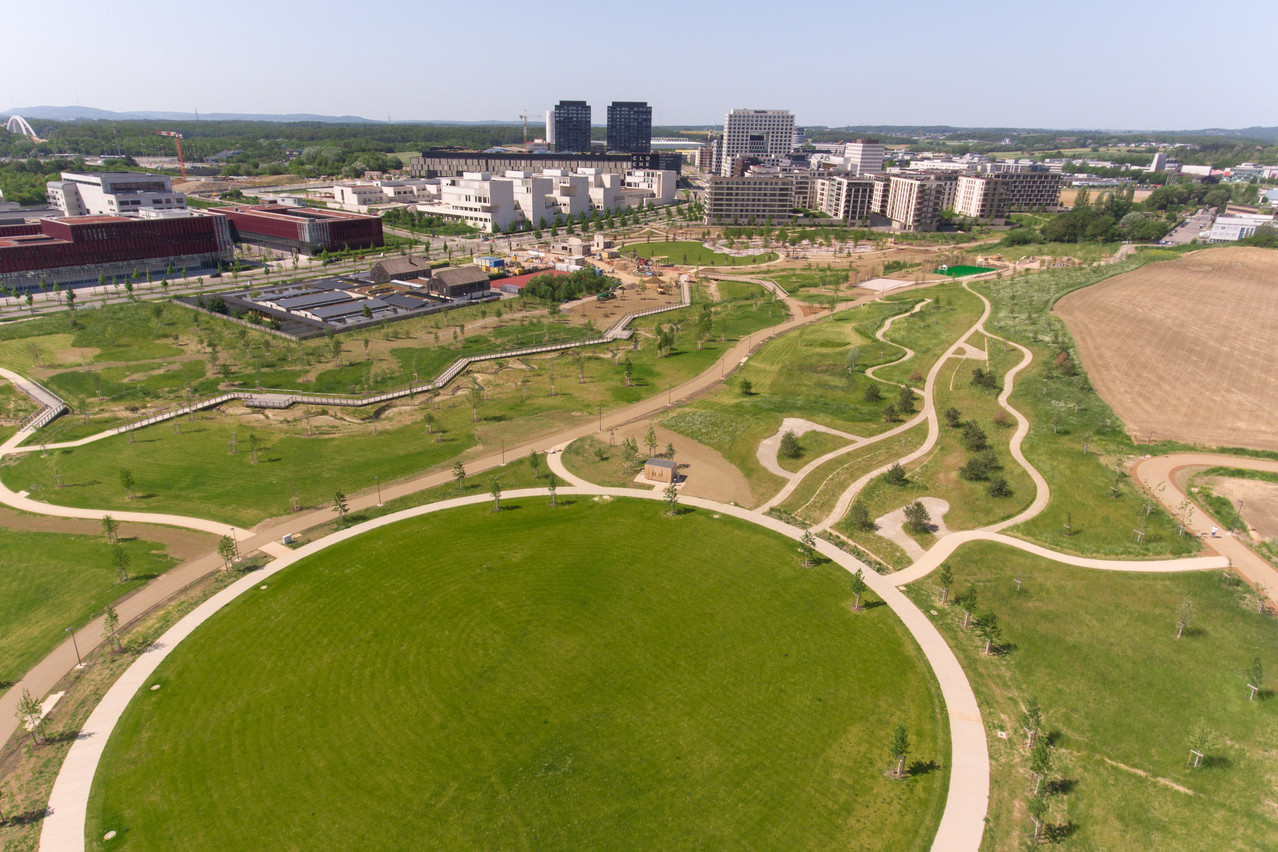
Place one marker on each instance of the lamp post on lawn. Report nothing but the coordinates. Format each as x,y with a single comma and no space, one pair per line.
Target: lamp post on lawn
1233,529
379,489
79,663
601,418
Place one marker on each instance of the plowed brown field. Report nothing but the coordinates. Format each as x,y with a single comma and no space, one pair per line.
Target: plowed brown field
1187,348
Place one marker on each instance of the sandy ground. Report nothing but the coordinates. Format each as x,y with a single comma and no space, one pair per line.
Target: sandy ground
1186,348
1260,502
891,525
181,544
708,473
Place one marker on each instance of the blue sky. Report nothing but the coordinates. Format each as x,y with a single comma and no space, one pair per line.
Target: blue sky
1127,64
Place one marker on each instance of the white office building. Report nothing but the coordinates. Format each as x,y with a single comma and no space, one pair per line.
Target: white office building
1227,229
756,132
361,195
864,156
113,194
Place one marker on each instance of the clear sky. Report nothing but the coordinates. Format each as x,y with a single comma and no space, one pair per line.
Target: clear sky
1121,64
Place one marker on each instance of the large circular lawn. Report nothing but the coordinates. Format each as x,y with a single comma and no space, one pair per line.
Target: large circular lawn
593,676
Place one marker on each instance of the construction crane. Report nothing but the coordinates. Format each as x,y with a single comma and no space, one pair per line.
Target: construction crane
524,116
177,139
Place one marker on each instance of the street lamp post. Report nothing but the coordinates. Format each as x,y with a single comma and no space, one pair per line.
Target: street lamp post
79,663
379,489
1237,517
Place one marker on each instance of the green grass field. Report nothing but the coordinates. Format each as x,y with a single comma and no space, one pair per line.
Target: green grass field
1075,440
487,680
49,582
1120,694
194,473
689,253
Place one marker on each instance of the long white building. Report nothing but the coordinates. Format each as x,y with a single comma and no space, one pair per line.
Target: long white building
756,132
113,194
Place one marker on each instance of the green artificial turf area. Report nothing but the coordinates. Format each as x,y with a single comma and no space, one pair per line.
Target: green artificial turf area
594,676
694,254
49,582
1119,695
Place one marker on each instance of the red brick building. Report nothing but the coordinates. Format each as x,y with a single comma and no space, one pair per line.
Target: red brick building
307,230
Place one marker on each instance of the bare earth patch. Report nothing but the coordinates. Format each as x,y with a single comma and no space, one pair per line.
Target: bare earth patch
1186,347
1260,502
708,473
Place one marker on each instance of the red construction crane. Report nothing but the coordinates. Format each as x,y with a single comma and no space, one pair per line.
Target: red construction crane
177,138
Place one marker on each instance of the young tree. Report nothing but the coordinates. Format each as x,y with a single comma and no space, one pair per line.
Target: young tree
670,450
459,474
31,716
966,601
553,488
672,499
872,392
858,588
110,528
1255,675
495,490
126,482
987,628
120,559
534,462
807,547
227,550
1037,809
890,415
898,748
945,579
974,437
1040,763
905,400
340,507
1030,720
1202,740
746,388
895,475
110,624
998,487
790,446
859,517
1185,616
917,519
650,440
253,446
953,417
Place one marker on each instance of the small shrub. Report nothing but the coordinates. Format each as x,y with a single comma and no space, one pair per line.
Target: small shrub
953,417
998,487
917,519
872,392
895,475
974,437
790,446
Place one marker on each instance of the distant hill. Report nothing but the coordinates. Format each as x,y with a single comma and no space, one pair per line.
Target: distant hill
73,113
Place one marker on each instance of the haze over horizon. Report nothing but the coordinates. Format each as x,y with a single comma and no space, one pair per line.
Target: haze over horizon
1096,66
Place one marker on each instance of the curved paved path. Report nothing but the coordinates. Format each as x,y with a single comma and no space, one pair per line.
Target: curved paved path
962,822
770,447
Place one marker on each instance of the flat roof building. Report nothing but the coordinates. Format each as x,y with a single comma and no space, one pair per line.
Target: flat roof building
629,127
572,126
749,200
306,230
760,132
77,250
113,193
439,162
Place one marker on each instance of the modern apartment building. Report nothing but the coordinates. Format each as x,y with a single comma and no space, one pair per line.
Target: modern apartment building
113,194
994,196
759,132
450,163
572,126
843,197
747,200
915,202
629,127
864,156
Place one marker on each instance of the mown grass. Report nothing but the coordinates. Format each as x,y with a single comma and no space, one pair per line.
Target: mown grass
689,253
1075,439
50,581
500,670
931,331
1119,722
812,445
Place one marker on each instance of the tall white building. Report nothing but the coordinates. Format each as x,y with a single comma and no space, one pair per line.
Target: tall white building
864,156
760,132
113,194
